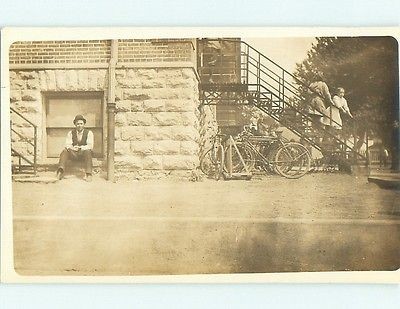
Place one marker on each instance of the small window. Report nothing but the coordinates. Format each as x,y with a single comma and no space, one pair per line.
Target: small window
61,108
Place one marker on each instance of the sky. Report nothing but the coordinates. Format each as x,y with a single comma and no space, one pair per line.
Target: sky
284,51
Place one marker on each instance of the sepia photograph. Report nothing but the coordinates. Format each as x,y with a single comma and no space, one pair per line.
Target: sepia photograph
202,154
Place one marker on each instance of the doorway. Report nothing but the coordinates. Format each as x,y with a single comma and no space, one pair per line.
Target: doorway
59,111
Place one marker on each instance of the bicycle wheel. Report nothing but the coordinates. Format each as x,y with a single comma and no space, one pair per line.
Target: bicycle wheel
292,160
270,153
207,163
219,161
247,155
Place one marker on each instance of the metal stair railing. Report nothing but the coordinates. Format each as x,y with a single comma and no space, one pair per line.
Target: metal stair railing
277,82
24,163
277,92
303,119
274,79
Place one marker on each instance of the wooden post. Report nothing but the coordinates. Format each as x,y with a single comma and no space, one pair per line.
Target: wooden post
355,143
367,148
229,158
239,155
111,111
35,150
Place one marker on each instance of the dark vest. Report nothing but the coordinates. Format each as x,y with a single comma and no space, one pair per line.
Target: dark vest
83,141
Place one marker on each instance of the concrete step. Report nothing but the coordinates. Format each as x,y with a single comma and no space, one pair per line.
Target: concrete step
35,178
386,180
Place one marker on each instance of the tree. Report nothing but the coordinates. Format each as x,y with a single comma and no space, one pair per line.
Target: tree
367,67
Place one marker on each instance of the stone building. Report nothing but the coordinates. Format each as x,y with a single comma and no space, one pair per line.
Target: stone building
152,104
150,86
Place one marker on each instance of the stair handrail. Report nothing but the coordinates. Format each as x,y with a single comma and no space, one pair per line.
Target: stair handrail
285,83
326,131
261,55
22,156
246,54
20,115
34,163
298,81
257,51
332,121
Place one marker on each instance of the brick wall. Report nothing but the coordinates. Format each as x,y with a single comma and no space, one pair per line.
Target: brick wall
98,51
225,67
60,52
154,50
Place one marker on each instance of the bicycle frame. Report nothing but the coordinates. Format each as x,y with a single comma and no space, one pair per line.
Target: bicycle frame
215,155
260,157
247,142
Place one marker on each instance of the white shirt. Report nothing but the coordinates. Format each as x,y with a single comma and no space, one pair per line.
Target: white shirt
341,103
89,140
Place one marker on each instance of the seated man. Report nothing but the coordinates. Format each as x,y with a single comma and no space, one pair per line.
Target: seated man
78,146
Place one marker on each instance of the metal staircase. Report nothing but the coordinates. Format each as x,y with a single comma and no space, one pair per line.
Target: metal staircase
23,162
264,84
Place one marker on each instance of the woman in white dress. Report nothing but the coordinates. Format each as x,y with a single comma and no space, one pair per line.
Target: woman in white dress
332,113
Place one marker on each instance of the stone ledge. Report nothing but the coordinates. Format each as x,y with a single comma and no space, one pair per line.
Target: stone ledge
120,65
38,179
148,174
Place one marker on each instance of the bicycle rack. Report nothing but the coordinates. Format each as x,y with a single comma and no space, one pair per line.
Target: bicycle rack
229,174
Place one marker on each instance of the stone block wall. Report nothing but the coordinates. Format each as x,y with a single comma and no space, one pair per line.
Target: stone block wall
157,130
157,119
26,97
157,123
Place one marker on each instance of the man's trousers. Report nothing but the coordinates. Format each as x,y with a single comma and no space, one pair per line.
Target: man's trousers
81,155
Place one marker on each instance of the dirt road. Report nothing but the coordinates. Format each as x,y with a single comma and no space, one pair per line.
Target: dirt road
320,222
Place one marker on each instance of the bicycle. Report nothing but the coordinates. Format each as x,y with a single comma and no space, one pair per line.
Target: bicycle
272,154
212,161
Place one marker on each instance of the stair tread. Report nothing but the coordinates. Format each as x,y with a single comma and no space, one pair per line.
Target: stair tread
36,179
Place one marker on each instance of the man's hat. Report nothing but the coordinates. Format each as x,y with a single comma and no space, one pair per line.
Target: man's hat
79,117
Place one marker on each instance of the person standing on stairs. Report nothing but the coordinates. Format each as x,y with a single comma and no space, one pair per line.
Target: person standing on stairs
78,147
320,97
339,105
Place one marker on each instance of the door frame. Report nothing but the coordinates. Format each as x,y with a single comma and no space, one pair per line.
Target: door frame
46,95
